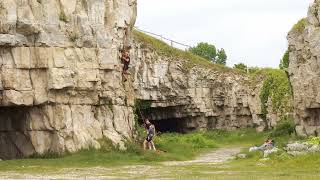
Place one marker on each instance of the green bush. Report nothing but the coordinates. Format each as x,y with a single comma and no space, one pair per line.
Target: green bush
63,17
205,50
284,128
241,67
276,86
314,140
300,26
140,106
284,64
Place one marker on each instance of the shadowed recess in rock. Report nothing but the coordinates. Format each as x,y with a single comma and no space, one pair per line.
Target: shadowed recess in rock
170,125
14,142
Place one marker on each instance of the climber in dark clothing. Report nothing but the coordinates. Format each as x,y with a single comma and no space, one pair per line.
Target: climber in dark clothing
150,134
125,59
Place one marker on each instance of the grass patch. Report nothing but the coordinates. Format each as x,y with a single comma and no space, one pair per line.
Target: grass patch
314,140
189,60
285,167
300,26
184,147
175,146
278,165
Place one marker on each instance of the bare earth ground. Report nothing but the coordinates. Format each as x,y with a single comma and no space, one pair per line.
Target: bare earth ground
194,169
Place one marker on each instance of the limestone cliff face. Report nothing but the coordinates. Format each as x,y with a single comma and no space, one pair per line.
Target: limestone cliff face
196,98
61,87
304,42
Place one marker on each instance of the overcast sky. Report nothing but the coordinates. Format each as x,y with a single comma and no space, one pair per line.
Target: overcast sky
251,31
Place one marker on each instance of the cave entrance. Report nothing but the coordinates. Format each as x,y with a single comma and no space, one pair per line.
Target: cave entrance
314,116
13,139
165,119
169,125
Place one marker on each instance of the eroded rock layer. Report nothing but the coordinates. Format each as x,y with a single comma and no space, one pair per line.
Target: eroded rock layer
197,98
61,86
304,43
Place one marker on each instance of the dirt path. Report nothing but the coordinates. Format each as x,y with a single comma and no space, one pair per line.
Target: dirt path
214,157
165,170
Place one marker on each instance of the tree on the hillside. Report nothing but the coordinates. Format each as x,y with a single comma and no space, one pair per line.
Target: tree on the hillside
284,63
221,57
205,50
241,67
253,69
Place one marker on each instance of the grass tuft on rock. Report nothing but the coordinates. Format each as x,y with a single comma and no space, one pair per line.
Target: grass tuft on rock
63,17
300,26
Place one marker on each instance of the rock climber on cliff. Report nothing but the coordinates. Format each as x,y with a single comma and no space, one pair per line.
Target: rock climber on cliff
125,60
148,142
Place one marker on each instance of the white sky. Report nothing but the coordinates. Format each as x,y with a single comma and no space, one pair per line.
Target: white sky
251,31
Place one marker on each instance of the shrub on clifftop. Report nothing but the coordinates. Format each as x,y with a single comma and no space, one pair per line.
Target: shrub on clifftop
300,26
205,50
209,52
241,67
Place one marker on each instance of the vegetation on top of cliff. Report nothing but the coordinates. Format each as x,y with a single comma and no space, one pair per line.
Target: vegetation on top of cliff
246,69
205,50
209,52
276,87
241,67
284,63
189,60
299,26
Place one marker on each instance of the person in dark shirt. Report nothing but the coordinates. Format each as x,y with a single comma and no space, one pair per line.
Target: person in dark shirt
148,142
125,59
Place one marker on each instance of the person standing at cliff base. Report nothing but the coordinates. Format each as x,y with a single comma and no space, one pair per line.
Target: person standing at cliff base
148,142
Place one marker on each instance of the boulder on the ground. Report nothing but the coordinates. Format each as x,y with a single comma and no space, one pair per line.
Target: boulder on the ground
297,147
314,149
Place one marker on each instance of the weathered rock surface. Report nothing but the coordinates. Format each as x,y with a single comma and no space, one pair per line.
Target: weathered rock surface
61,87
297,146
198,98
304,71
301,148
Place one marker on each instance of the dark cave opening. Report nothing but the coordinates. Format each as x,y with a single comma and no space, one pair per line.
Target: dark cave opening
313,118
13,138
169,125
164,118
